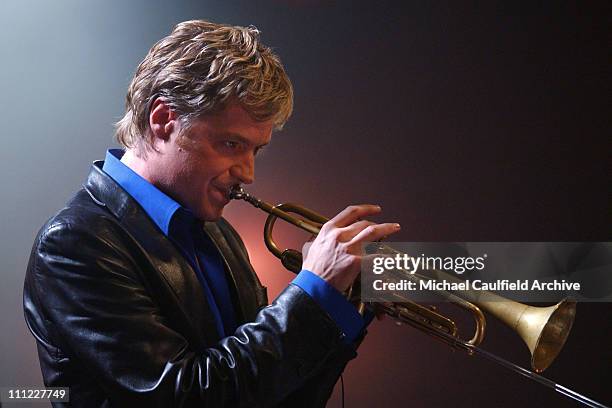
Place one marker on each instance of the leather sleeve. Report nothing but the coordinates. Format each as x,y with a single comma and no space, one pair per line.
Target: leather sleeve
316,391
98,311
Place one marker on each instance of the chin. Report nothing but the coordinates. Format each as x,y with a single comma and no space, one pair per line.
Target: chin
214,218
211,215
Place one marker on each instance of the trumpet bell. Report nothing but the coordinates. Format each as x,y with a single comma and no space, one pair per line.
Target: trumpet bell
545,330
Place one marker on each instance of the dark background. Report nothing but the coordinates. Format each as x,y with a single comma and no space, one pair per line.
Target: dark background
465,121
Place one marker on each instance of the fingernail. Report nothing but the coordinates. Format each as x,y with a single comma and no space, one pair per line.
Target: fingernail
397,226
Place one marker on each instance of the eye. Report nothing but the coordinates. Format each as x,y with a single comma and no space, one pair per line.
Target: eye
230,144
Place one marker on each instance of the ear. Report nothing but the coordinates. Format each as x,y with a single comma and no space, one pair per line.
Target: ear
162,120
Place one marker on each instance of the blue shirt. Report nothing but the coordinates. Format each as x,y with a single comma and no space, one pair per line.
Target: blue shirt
182,228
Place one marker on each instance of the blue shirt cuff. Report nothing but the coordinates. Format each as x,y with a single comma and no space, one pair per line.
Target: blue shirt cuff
333,302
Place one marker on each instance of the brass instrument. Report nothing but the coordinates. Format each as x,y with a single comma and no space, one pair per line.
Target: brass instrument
543,329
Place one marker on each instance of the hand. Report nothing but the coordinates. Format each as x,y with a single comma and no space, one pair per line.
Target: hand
335,255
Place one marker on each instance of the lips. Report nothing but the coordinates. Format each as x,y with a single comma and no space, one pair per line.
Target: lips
223,193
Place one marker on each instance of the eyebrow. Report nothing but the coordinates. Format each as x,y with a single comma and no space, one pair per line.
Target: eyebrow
241,138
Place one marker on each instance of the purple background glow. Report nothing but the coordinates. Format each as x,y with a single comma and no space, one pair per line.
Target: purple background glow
464,122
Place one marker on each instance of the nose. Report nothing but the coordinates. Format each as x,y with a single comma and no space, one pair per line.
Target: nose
244,170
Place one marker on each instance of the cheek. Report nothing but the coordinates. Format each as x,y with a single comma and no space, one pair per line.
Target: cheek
180,172
198,178
186,165
216,170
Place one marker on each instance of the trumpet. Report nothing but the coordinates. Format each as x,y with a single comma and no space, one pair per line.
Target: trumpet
543,329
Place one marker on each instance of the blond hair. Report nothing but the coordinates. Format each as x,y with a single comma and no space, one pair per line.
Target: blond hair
196,70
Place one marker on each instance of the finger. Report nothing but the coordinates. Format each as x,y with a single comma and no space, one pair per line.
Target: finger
358,226
347,233
353,213
306,248
375,232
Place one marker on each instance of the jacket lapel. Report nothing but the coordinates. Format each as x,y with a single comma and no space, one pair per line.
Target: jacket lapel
164,263
247,287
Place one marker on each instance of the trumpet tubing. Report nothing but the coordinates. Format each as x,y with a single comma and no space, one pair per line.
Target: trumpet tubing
543,329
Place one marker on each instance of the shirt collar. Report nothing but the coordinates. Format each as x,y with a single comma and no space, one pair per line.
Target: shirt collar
159,206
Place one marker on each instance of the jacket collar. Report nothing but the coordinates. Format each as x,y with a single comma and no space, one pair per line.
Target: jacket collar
162,254
160,207
249,295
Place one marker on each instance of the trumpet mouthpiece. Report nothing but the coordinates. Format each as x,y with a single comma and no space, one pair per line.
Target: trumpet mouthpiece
237,193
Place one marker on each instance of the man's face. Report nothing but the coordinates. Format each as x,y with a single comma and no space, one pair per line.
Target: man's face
198,167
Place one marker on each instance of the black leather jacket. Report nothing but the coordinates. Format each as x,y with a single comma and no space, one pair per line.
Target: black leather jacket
119,317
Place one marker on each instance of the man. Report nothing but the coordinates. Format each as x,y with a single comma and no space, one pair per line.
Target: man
138,292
